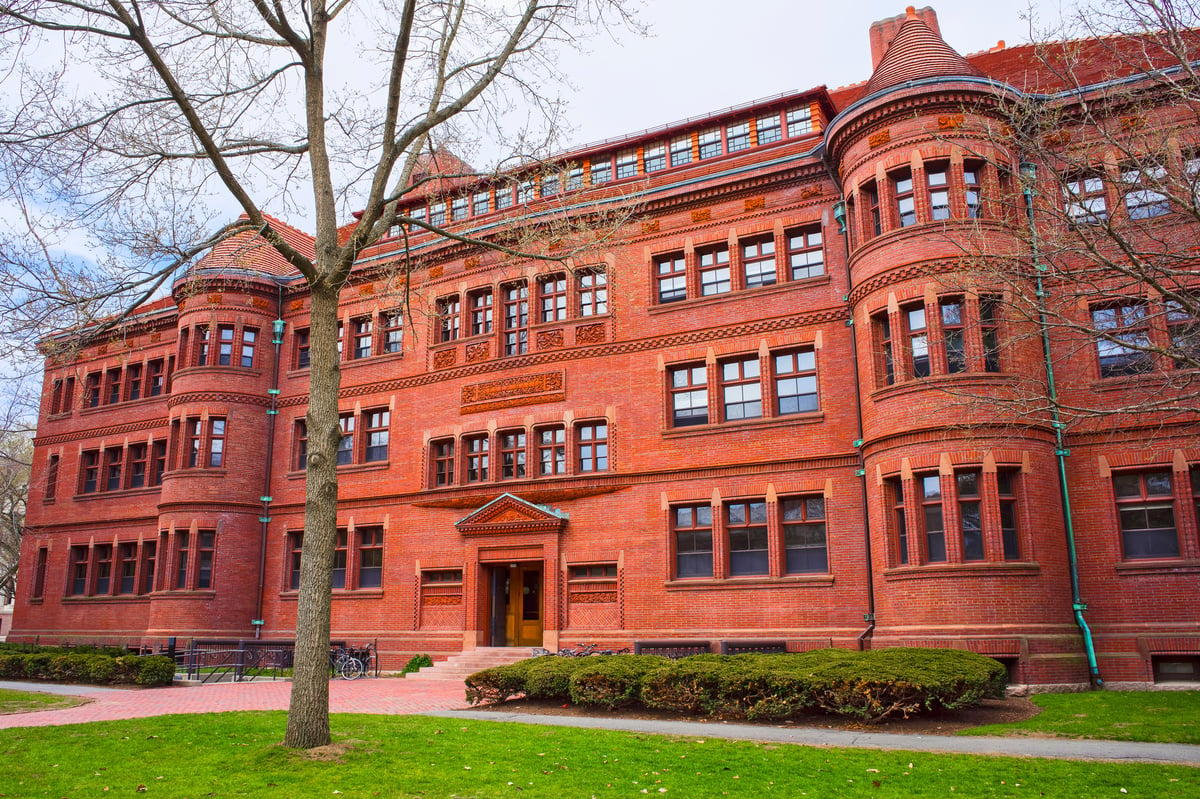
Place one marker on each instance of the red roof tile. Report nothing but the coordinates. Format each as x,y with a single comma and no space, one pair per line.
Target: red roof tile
917,52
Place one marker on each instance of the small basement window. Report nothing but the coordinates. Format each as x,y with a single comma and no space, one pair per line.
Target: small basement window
1176,668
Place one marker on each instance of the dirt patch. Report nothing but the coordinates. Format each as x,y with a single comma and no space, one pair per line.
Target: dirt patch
991,711
332,753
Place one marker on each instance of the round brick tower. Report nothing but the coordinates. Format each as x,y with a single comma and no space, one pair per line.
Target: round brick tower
966,530
213,501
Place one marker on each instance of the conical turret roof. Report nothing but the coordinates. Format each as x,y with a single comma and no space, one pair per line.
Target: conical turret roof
917,52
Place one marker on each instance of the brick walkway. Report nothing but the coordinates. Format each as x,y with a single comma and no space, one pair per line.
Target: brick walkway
382,696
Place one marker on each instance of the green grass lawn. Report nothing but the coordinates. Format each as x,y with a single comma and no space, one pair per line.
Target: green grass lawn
1152,716
236,754
26,701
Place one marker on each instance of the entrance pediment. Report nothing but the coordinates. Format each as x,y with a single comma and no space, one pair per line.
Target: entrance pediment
508,514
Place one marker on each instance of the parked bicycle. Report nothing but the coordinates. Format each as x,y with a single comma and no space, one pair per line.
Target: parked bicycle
344,664
579,651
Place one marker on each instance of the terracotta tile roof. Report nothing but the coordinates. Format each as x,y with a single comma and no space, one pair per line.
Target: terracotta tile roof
917,52
247,251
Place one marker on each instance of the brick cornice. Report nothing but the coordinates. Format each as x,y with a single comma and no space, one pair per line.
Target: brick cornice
99,432
218,396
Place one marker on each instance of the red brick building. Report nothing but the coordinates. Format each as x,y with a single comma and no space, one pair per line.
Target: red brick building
740,422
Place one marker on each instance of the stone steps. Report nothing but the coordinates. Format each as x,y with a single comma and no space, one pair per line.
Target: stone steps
459,666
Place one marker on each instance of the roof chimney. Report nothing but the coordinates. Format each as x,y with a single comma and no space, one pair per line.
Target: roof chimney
883,31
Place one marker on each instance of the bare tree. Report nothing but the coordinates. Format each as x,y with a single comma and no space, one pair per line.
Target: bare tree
285,105
1104,210
16,448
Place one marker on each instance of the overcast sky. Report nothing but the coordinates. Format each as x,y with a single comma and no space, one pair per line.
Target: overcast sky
703,56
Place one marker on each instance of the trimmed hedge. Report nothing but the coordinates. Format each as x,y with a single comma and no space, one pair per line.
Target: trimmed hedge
869,686
98,669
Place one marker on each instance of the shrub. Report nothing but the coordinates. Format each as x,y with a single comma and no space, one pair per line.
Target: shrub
549,676
416,663
612,680
155,670
687,685
100,669
12,666
495,685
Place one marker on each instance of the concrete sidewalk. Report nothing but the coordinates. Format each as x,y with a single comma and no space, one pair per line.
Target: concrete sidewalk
1057,748
388,696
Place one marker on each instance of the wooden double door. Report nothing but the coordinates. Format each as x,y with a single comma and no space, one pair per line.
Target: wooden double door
515,606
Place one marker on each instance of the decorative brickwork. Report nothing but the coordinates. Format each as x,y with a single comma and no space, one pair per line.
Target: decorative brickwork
549,339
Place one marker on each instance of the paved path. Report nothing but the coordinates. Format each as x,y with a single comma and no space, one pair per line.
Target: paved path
384,695
436,698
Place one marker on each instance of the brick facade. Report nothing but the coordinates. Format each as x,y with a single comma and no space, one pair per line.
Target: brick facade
737,422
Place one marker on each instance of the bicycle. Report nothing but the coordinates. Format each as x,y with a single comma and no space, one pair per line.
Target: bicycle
344,664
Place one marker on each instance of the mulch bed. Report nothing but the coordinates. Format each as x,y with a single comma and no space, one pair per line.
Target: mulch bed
991,711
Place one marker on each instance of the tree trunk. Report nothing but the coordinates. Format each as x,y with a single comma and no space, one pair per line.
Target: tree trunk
308,715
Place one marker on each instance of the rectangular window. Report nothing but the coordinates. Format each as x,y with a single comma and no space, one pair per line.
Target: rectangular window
741,391
592,441
989,325
377,423
341,341
970,514
443,462
216,443
302,350
681,150
516,318
768,129
574,178
345,450
224,345
91,390
1084,200
806,255
1183,329
480,203
112,469
626,164
918,340
550,185
1146,509
953,335
1143,200
597,572
393,332
442,576
737,137
552,297
746,526
155,378
56,397
370,557
804,544
133,382
437,213
512,455
301,444
654,157
51,479
295,547
137,465
458,208
113,386
799,121
68,397
592,286
478,460
714,271
937,179
758,262
795,382
552,450
902,195
77,584
691,527
158,462
39,573
202,346
931,516
974,191
671,273
249,339
448,309
504,197
364,338
710,143
181,560
1006,488
89,472
102,568
1122,339
481,311
886,357
689,395
873,220
339,560
206,542
149,550
601,171
127,568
